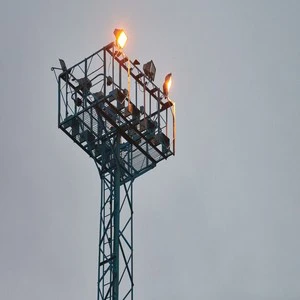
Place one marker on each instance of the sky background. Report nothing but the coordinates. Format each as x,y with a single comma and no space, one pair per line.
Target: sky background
220,220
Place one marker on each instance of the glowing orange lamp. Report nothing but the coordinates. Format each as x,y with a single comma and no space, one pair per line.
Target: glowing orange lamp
121,37
167,84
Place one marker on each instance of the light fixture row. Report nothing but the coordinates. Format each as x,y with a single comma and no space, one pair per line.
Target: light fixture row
149,68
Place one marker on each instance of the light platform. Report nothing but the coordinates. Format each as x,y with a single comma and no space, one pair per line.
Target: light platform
107,95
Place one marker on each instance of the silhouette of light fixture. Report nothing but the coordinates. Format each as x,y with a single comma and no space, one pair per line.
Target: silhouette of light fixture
136,62
77,100
63,65
150,69
84,84
119,95
167,84
121,37
64,69
109,80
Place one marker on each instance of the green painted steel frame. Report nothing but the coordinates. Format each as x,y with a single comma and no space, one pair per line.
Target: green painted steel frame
124,141
115,261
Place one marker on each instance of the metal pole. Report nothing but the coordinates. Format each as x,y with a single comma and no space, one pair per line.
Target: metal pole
117,177
100,233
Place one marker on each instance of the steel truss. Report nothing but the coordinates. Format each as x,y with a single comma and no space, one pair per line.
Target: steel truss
115,263
121,119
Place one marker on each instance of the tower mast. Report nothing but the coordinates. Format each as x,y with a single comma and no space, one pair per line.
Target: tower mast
115,113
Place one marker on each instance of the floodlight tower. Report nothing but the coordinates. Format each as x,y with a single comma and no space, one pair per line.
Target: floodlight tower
126,124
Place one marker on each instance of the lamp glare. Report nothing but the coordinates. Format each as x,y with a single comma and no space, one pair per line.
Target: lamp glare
167,84
121,37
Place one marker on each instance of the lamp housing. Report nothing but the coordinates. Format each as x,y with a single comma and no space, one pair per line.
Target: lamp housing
150,70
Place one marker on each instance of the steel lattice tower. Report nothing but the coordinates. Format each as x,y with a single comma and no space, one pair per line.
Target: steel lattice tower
119,117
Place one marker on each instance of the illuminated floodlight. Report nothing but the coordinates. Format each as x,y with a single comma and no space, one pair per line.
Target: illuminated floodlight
167,84
121,37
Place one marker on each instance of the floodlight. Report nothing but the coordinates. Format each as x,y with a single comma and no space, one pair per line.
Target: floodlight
119,95
78,101
63,65
136,62
167,84
109,80
84,84
64,69
150,70
121,37
98,95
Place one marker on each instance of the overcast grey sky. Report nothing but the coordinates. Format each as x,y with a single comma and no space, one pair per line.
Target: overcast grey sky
218,221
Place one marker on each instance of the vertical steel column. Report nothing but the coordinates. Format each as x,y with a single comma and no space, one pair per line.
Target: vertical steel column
115,267
106,256
117,178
